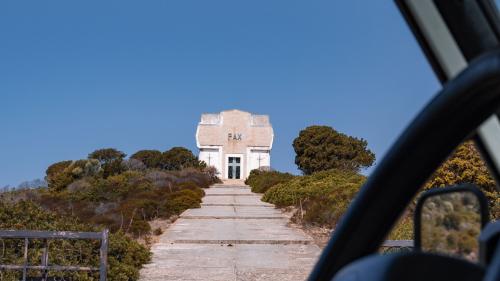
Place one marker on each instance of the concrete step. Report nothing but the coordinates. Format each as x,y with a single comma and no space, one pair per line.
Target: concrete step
230,217
230,194
233,212
233,182
233,236
238,242
230,186
238,205
261,229
228,199
228,191
239,262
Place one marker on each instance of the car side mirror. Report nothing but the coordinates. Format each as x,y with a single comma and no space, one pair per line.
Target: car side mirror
449,220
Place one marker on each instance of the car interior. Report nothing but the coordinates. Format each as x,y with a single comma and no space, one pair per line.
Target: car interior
460,39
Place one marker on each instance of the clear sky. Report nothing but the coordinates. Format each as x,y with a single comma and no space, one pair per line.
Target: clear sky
80,75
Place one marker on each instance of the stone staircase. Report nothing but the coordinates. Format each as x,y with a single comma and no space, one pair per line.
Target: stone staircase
233,236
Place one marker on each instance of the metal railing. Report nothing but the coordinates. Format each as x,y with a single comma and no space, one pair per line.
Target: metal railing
44,266
393,246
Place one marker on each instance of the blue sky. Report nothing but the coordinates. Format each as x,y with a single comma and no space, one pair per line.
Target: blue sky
80,75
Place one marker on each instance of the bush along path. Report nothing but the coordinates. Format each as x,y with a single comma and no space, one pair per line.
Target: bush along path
233,236
126,196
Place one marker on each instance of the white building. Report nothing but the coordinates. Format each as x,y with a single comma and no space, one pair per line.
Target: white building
235,142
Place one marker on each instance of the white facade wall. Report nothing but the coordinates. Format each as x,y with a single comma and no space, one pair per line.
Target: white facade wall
258,159
223,136
211,156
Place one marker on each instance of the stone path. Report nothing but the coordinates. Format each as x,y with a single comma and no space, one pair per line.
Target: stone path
233,236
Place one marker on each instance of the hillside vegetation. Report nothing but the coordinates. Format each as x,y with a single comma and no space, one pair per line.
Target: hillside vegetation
321,148
332,162
260,181
108,191
465,165
125,255
320,198
323,197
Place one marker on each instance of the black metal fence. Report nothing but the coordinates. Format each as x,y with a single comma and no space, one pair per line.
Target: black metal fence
27,252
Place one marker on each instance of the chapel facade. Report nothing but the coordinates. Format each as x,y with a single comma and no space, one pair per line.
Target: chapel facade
235,142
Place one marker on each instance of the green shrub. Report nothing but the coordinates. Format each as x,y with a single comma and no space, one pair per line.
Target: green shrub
125,255
322,198
97,193
191,186
403,229
340,184
465,165
183,200
179,158
321,148
260,181
212,173
139,227
158,231
198,176
131,197
125,258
